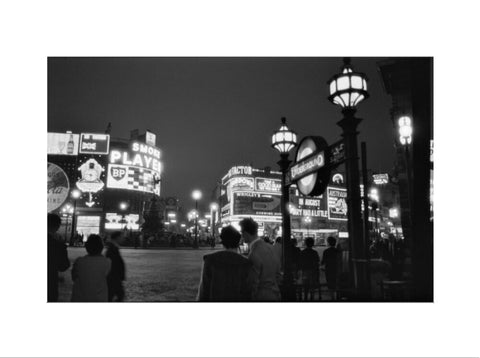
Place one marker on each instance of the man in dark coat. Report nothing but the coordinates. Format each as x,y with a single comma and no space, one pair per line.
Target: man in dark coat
226,274
309,264
330,259
117,271
57,257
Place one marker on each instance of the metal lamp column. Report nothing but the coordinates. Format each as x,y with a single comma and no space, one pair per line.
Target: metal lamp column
347,90
285,140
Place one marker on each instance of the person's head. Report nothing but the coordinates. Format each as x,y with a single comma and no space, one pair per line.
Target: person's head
266,239
94,245
309,242
294,242
278,240
249,229
230,237
53,223
331,241
116,236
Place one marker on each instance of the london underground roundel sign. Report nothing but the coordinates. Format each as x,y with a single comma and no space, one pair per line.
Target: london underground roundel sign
310,171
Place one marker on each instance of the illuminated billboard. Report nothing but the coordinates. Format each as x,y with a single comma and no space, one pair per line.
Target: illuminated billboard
94,143
251,203
91,180
137,168
58,186
268,185
132,178
337,203
62,144
115,221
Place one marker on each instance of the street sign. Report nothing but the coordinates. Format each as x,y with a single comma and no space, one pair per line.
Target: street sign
310,171
336,155
307,165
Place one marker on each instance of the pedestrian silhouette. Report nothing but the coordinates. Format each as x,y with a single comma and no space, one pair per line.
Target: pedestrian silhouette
331,259
89,273
225,274
266,266
117,272
57,257
309,264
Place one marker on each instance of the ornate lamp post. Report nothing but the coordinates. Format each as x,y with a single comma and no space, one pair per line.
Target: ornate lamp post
196,195
284,140
347,90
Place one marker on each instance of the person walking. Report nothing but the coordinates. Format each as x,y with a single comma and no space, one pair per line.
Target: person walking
331,259
225,274
265,264
117,272
57,257
89,273
309,265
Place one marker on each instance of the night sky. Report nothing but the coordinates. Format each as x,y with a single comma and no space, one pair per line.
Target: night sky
210,114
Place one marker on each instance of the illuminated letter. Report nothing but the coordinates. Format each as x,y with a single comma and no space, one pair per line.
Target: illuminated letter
114,156
135,147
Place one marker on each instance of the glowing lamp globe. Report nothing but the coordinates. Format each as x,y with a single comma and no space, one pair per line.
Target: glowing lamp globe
196,195
405,130
284,140
348,88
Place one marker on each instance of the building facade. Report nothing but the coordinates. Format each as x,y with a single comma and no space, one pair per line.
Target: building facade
115,178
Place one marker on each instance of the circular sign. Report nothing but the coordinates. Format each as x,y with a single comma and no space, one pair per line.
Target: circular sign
58,186
316,182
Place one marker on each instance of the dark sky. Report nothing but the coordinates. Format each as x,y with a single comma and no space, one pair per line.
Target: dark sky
210,114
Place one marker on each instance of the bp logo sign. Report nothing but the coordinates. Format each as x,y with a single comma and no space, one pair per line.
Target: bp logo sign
118,173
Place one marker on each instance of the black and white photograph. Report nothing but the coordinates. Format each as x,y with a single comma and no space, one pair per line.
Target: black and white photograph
239,179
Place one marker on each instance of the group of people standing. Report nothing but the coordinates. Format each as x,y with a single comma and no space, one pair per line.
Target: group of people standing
96,277
229,276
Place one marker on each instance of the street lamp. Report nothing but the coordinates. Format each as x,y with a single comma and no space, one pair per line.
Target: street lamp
405,130
196,195
75,194
373,195
67,211
308,220
284,140
405,137
213,213
123,206
347,90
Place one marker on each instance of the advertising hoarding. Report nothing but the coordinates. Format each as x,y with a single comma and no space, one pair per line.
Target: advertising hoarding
91,179
241,183
380,179
337,203
94,143
251,203
115,221
58,186
268,185
62,144
151,138
132,178
137,168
